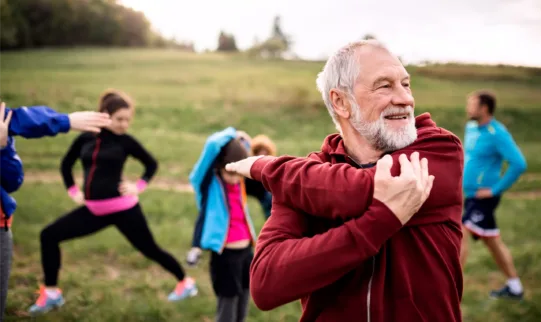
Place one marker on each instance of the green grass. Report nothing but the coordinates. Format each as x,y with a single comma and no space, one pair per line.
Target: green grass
181,99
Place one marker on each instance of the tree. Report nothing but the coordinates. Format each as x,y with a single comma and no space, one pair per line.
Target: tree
226,42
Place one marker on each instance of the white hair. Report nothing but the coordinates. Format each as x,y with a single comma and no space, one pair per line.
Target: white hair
341,71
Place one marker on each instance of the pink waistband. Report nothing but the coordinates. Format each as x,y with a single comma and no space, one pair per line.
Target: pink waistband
111,205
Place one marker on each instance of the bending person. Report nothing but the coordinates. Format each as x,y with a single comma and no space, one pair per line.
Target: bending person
224,225
105,200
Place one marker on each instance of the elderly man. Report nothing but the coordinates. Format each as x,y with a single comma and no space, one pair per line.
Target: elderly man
329,241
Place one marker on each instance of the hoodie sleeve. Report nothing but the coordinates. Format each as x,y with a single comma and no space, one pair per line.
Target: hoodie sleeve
37,121
12,173
287,265
69,159
343,191
211,149
510,152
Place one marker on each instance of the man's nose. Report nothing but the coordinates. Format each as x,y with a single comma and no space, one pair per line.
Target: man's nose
402,97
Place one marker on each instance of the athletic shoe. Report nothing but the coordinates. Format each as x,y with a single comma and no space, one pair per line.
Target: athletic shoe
505,292
45,303
185,288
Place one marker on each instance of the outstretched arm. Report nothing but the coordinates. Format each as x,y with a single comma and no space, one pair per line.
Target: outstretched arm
343,191
37,121
40,121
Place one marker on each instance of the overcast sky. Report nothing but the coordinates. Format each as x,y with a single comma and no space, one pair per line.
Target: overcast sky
478,31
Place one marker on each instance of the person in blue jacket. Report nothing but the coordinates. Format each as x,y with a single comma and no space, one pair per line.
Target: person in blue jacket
224,226
487,144
33,122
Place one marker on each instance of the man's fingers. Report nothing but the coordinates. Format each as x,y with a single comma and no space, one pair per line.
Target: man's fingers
429,186
92,129
2,109
8,117
383,167
405,166
424,170
415,164
231,167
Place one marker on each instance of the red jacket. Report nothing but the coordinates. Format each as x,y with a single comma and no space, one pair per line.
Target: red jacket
346,256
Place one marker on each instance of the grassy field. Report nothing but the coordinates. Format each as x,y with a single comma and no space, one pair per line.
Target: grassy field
181,98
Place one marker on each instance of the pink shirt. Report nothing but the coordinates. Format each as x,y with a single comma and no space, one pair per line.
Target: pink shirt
238,227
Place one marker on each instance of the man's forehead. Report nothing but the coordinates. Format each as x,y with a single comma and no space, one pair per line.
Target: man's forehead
376,63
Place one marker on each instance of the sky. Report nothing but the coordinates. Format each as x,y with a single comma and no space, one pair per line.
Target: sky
470,31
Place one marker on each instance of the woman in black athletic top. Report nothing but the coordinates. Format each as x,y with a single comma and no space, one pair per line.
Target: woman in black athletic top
105,200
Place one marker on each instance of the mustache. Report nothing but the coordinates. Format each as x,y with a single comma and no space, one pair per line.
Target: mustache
393,110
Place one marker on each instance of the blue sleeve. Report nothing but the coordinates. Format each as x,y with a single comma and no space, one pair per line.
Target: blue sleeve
511,153
37,121
12,173
212,148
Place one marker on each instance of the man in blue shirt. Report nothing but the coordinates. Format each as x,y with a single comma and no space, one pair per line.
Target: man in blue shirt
487,143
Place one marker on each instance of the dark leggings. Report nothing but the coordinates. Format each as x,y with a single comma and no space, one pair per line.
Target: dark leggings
81,222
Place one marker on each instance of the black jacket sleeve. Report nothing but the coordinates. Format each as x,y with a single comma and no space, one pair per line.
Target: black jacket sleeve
140,153
74,152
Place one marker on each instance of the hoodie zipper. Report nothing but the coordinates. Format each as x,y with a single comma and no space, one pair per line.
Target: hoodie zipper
92,168
370,289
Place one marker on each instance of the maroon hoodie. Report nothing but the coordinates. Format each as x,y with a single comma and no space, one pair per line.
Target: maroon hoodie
344,254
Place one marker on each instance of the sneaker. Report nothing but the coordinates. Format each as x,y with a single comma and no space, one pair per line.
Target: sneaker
184,289
46,303
505,292
193,256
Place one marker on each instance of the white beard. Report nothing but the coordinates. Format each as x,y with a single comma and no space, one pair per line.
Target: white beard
379,135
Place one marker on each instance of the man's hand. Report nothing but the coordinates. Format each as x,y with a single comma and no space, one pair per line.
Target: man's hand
87,121
405,194
128,189
4,125
484,193
242,167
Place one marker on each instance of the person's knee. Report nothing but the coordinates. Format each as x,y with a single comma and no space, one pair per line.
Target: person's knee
47,235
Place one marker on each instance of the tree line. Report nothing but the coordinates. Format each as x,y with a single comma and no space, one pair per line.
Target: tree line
55,23
27,24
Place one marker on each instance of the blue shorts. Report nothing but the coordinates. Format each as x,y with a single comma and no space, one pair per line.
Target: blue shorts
479,217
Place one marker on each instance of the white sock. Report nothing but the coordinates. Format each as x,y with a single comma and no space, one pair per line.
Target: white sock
515,285
52,292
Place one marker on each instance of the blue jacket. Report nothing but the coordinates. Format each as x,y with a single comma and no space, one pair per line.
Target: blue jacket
213,221
33,122
486,147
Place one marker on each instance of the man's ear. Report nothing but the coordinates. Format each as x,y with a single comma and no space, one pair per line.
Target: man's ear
340,103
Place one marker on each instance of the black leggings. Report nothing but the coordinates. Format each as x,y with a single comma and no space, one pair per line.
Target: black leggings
81,222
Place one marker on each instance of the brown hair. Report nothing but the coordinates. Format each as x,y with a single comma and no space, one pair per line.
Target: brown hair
262,141
486,98
233,151
112,100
